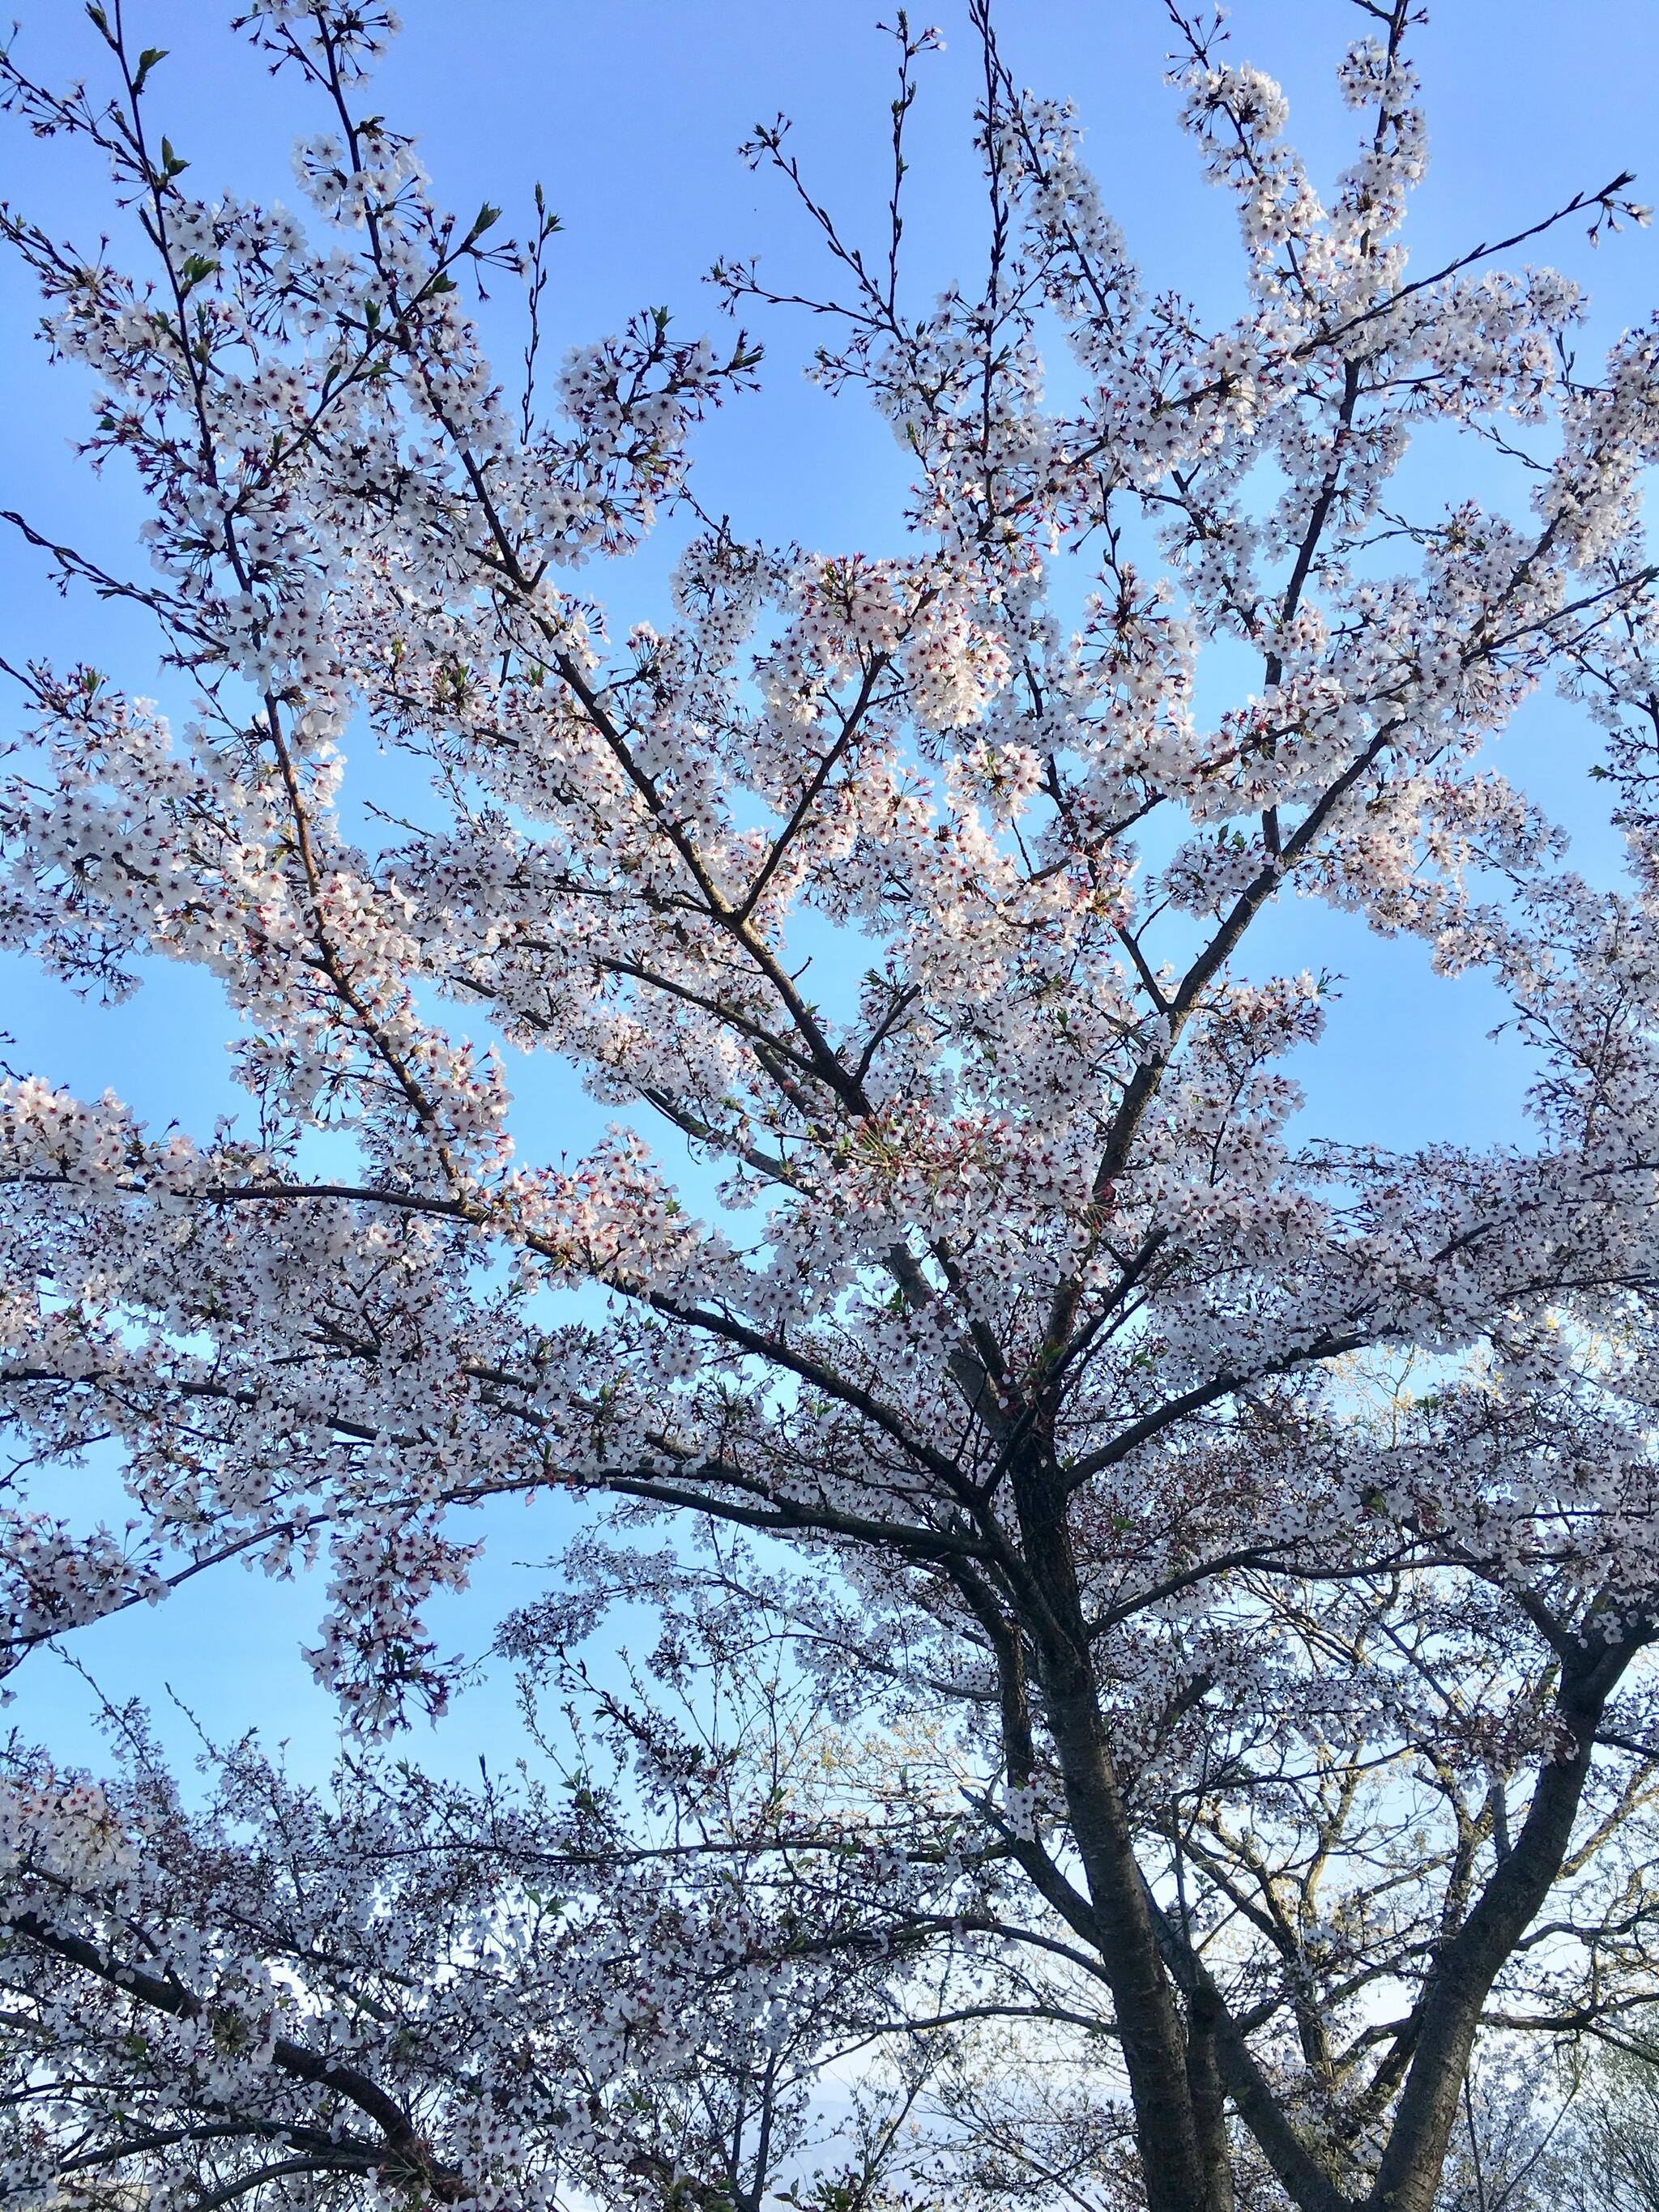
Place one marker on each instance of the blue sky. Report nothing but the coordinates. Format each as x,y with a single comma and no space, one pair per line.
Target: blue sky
629,116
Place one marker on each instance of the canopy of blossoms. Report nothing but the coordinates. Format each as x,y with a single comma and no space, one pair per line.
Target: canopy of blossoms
1030,1319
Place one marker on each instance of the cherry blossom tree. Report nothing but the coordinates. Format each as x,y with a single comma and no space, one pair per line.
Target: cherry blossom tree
1250,1537
440,1996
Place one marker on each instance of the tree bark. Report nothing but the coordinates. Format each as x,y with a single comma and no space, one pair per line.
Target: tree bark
1150,2028
1149,2025
1209,2098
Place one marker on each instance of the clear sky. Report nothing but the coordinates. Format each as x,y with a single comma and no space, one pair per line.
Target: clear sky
629,116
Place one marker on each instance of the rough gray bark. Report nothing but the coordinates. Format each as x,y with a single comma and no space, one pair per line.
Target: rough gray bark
1153,2039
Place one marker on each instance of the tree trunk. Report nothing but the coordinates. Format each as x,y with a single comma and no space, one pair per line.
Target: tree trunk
1149,2029
1209,2098
1149,2023
1408,2178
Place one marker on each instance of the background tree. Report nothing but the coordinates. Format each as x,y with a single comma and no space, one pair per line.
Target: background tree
1264,1526
1612,2153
